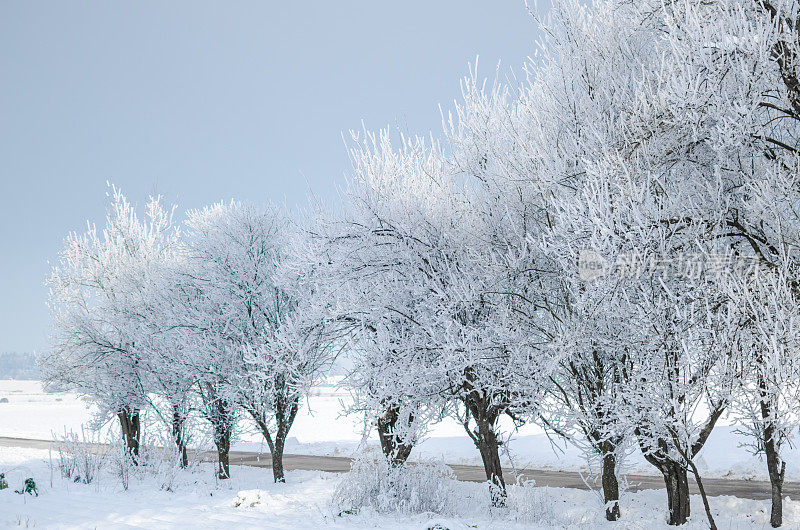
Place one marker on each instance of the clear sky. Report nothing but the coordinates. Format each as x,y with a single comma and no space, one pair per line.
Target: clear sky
202,101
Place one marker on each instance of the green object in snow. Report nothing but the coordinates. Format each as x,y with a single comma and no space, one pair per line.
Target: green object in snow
30,488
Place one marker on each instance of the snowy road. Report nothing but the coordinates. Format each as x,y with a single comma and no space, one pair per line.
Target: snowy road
749,489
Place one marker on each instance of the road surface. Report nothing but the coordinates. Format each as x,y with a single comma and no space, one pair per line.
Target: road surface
750,489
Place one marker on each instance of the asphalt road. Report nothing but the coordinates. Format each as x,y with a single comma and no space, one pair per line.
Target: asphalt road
750,489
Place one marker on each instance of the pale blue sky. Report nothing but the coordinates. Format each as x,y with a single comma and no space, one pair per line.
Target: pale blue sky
202,101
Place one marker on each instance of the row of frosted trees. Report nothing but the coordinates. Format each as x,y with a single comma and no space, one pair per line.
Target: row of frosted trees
152,317
607,248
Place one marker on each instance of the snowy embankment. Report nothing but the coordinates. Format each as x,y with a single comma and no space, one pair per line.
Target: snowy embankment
251,500
322,429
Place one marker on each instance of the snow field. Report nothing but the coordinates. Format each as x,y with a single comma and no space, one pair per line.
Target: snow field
251,500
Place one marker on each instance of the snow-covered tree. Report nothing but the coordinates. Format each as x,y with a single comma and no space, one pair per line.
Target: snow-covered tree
100,311
734,79
167,386
631,180
358,279
529,148
765,304
714,131
253,344
427,285
365,277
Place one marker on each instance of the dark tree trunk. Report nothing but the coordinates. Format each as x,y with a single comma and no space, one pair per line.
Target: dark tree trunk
675,472
487,443
275,447
676,481
610,486
287,405
485,410
178,435
396,452
286,412
222,423
223,444
775,467
285,415
131,431
277,459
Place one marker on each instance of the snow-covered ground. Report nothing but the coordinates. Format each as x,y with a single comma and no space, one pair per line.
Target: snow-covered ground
322,429
194,499
251,500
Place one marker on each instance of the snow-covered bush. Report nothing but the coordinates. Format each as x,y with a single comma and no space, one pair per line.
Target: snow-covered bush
375,484
158,459
530,505
80,458
121,463
165,464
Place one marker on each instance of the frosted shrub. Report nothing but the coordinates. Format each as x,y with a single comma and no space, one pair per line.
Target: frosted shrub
79,457
162,461
122,461
375,484
157,459
530,505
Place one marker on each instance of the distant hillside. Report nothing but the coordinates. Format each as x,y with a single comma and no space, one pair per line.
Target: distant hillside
14,365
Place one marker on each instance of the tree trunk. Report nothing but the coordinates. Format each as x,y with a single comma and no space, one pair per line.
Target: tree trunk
275,449
277,458
285,414
396,452
223,443
178,437
489,447
776,470
677,482
222,422
775,467
479,406
131,431
610,486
